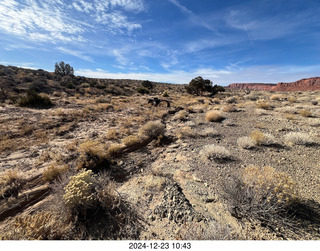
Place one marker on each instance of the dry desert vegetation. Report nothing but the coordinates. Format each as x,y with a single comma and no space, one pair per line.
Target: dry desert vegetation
94,160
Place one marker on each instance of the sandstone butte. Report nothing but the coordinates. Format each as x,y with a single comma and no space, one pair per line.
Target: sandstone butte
309,84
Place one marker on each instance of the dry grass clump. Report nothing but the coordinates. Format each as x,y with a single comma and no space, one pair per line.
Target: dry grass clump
264,106
230,108
216,101
290,116
253,97
10,183
231,100
39,226
103,100
33,99
153,129
130,140
209,132
246,142
292,99
79,192
186,132
287,109
273,186
261,138
112,134
213,152
114,151
261,112
54,172
305,113
181,115
94,156
298,138
92,148
106,192
260,193
104,107
276,97
214,116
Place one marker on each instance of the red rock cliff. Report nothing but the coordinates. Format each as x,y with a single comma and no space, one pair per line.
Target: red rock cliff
309,84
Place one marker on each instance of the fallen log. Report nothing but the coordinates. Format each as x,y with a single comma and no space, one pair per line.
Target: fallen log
23,201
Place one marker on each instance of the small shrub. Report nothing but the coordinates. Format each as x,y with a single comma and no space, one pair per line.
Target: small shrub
152,129
230,108
213,152
143,91
214,116
102,100
105,107
85,85
33,99
181,115
264,105
79,192
273,186
70,86
292,99
216,101
298,138
10,183
260,193
275,97
107,194
314,102
209,132
262,139
290,116
246,142
92,148
231,100
253,97
101,86
147,84
165,95
112,134
305,113
186,132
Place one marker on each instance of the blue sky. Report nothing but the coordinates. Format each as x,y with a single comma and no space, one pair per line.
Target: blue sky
171,41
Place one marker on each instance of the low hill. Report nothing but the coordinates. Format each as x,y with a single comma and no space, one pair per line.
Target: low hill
16,80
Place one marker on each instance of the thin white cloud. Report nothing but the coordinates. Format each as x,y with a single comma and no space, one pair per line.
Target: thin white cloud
194,18
76,53
181,7
37,22
61,21
260,26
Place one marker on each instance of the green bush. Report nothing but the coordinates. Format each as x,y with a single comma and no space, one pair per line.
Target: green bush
147,84
142,90
198,86
33,99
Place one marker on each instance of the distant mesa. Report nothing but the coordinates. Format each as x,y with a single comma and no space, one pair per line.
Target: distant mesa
309,84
